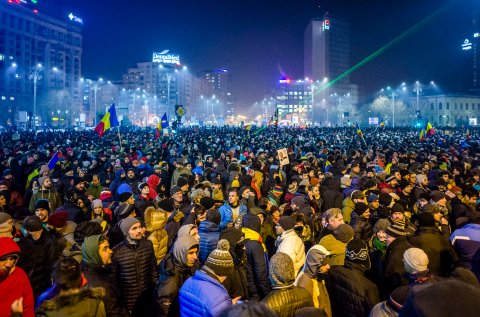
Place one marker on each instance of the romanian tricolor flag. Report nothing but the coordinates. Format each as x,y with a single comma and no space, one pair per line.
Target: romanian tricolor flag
359,132
382,124
157,131
429,131
109,120
248,127
54,160
421,137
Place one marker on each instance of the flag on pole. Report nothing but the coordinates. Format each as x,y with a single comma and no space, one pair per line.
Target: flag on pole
429,130
53,161
359,132
108,121
164,122
382,124
157,131
248,127
422,135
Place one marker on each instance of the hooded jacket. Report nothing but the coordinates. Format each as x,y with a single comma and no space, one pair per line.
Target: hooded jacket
100,275
209,235
290,243
236,281
155,221
257,259
173,273
336,248
76,303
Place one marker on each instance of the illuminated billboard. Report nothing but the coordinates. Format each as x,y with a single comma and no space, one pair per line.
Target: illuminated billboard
165,57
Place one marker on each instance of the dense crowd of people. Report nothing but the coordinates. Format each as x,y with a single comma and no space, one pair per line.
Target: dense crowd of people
209,222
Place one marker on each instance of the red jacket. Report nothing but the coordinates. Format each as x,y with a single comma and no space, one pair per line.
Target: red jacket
16,285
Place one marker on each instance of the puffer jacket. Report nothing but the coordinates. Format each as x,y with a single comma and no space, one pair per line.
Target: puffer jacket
37,259
135,266
227,216
75,303
285,301
347,209
290,243
209,235
155,221
257,259
203,295
351,293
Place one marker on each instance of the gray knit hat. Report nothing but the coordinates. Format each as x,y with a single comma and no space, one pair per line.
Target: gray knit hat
219,260
344,233
415,260
281,269
97,203
126,223
395,230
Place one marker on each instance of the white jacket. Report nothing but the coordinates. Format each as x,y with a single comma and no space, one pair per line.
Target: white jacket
291,244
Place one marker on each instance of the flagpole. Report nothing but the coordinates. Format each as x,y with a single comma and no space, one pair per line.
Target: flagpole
119,137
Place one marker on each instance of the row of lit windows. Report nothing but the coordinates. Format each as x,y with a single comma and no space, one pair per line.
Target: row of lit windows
456,106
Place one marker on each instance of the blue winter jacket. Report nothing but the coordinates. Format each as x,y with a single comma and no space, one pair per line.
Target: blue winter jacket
466,242
209,235
203,295
227,216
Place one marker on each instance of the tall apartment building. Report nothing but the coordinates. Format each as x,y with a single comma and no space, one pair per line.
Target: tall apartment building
326,59
221,83
39,34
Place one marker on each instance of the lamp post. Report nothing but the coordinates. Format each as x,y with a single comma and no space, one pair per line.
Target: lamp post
35,76
95,86
169,77
393,109
418,90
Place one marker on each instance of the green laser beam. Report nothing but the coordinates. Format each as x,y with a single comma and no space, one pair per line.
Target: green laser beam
387,46
259,130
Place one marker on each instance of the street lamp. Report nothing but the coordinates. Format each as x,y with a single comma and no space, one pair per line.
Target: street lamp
169,77
35,76
393,106
418,90
95,86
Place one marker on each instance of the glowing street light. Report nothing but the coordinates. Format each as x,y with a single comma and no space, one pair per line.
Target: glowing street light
417,90
35,76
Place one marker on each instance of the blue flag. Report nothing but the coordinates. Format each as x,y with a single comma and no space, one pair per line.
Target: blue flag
53,161
164,123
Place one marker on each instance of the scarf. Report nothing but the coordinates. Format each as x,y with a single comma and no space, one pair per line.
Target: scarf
254,236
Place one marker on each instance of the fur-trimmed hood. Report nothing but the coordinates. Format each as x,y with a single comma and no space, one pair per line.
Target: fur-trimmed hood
72,297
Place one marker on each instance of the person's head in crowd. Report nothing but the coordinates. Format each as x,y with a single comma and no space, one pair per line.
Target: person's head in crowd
131,173
415,261
127,198
251,222
357,254
259,212
434,210
86,229
131,229
220,261
373,201
285,223
393,232
344,233
189,229
79,184
333,218
67,274
144,189
357,196
42,209
233,197
439,198
265,203
45,182
33,227
470,197
96,251
214,216
9,254
379,229
281,271
185,250
397,213
391,180
6,225
362,210
176,194
97,208
406,187
182,182
422,180
58,221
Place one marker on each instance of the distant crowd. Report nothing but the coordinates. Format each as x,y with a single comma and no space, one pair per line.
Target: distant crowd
214,222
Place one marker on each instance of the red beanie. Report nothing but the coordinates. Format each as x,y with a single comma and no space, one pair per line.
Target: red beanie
8,246
58,219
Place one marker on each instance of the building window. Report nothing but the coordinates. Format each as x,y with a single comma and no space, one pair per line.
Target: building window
448,106
455,106
432,106
466,106
440,106
461,106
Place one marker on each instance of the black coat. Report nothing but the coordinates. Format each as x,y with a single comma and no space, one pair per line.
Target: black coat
393,268
440,252
75,213
135,269
171,278
37,258
257,270
351,293
285,302
102,277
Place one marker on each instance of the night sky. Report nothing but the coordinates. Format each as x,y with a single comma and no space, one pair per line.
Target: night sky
259,39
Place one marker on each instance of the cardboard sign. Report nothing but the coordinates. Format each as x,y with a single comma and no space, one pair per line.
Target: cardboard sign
283,156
